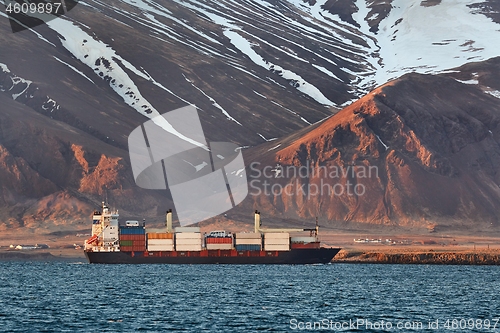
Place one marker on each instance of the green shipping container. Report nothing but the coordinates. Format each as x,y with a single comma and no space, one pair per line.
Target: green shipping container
126,243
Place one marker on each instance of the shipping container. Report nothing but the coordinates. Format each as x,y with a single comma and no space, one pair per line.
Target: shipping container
132,248
274,247
219,240
142,239
248,235
132,231
153,248
276,235
219,246
133,237
303,239
277,241
248,241
162,235
188,235
248,247
187,229
188,241
138,243
187,248
160,242
126,243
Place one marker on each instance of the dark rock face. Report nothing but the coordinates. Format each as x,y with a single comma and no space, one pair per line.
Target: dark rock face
64,123
432,144
54,174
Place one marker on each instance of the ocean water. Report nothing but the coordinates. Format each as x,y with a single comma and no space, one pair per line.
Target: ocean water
79,297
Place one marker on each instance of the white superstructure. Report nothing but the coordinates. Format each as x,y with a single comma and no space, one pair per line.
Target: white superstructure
105,232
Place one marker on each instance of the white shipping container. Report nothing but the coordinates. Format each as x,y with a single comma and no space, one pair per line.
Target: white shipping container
277,241
187,229
188,241
156,230
272,247
188,235
188,248
219,246
153,248
276,235
248,241
303,239
160,242
248,235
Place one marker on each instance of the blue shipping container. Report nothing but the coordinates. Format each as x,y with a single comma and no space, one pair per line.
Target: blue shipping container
244,247
133,231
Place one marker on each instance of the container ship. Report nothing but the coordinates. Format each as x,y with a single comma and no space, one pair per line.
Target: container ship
132,243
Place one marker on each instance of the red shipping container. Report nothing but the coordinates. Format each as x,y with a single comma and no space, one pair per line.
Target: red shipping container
219,240
133,237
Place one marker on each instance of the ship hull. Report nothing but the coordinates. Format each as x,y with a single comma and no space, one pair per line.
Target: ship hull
294,256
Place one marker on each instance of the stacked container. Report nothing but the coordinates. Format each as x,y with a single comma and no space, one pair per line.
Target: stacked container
187,229
304,243
132,239
160,241
276,241
219,243
188,241
248,241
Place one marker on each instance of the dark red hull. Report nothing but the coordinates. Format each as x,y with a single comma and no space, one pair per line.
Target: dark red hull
294,256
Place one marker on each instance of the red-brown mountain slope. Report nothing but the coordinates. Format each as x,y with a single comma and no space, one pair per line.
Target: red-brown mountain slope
421,151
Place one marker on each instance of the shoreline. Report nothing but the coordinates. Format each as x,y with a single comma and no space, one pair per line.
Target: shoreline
349,256
412,249
478,258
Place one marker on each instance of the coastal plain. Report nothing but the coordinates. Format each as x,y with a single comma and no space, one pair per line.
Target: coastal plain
357,247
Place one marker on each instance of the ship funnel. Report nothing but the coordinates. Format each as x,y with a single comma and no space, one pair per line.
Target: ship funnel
169,221
257,221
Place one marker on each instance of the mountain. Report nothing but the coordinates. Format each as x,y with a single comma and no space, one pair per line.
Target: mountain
72,90
423,151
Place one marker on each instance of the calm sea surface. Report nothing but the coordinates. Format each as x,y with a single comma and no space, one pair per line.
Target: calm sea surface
78,297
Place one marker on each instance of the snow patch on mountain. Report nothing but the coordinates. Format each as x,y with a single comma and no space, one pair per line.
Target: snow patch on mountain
295,80
25,89
434,38
264,138
4,68
258,94
213,101
494,93
74,69
326,71
15,82
471,81
106,64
